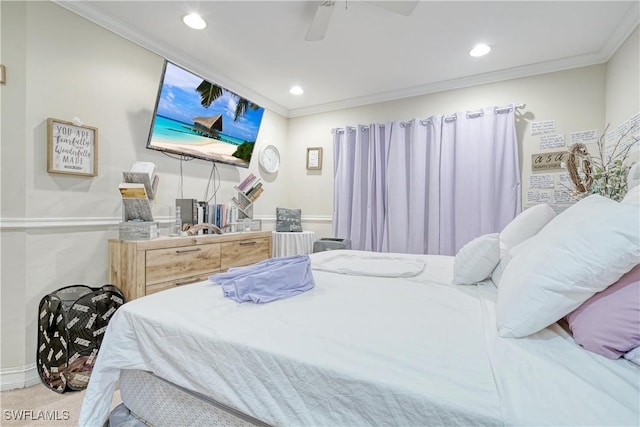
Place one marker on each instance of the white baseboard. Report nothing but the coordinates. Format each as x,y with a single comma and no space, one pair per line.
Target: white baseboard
12,378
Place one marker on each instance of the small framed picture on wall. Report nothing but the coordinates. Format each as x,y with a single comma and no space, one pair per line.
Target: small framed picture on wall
314,158
71,149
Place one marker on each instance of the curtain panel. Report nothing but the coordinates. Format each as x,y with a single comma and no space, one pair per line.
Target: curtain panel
426,186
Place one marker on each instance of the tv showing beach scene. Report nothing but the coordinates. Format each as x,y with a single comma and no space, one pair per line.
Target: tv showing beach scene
196,118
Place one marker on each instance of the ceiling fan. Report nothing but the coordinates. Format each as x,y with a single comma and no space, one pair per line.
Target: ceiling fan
322,17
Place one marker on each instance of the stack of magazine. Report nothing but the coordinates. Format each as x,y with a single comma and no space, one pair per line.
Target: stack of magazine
248,191
138,190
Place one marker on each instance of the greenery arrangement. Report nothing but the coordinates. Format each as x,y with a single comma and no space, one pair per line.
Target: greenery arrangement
605,173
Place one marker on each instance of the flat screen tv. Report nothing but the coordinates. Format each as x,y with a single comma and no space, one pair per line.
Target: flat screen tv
196,118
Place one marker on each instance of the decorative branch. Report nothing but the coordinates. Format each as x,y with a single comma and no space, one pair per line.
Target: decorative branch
610,176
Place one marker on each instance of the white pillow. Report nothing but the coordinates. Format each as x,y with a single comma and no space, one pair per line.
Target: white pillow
519,230
526,224
633,177
506,255
632,196
476,260
582,251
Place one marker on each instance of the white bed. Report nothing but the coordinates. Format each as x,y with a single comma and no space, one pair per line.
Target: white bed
364,350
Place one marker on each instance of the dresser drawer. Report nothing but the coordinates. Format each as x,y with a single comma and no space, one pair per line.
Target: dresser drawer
157,287
234,254
166,265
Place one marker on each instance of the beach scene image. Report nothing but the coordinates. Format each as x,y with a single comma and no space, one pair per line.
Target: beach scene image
201,119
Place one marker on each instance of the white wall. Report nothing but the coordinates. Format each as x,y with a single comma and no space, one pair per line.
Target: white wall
623,84
53,228
575,99
579,99
623,81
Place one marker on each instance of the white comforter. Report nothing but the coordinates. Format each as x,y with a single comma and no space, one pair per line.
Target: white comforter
363,350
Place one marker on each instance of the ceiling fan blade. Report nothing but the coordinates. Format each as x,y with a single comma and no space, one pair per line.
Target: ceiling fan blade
403,7
320,21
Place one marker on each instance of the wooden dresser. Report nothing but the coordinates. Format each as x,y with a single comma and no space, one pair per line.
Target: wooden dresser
142,267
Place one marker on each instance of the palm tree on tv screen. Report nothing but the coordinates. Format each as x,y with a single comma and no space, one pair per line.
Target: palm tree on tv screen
210,92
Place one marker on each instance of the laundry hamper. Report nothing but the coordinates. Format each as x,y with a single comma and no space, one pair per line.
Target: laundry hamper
71,324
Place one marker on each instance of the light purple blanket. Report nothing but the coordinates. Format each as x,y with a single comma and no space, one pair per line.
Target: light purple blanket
266,281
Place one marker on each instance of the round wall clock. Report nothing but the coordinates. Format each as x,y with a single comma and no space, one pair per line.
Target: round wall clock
269,159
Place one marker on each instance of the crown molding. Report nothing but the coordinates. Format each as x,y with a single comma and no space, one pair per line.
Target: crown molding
622,32
630,22
617,38
94,14
459,83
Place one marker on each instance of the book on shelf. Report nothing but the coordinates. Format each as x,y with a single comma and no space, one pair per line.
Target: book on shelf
222,215
206,216
248,191
200,217
253,189
211,214
233,216
136,205
145,167
143,173
253,196
240,202
188,211
132,191
244,185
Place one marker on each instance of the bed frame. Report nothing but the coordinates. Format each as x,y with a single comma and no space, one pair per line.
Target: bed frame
156,401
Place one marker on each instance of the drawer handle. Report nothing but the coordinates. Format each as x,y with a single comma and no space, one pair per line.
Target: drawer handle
184,251
248,243
188,282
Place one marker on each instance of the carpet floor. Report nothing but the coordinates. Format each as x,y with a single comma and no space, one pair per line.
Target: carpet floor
38,406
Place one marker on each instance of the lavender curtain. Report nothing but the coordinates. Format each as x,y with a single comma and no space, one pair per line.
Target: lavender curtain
426,186
413,187
479,177
359,185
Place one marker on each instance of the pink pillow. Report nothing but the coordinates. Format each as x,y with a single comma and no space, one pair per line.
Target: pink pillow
608,323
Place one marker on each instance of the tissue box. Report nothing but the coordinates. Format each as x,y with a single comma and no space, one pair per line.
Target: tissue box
138,230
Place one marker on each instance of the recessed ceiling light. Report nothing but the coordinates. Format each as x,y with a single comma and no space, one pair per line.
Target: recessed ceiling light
193,20
480,50
296,90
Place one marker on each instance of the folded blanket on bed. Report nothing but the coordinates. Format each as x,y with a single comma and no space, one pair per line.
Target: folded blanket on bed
369,263
266,281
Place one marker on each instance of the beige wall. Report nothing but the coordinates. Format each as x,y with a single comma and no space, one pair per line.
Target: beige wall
575,99
623,86
578,99
53,228
623,81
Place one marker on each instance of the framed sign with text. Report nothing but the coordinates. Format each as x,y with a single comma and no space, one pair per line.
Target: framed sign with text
314,158
548,161
71,149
